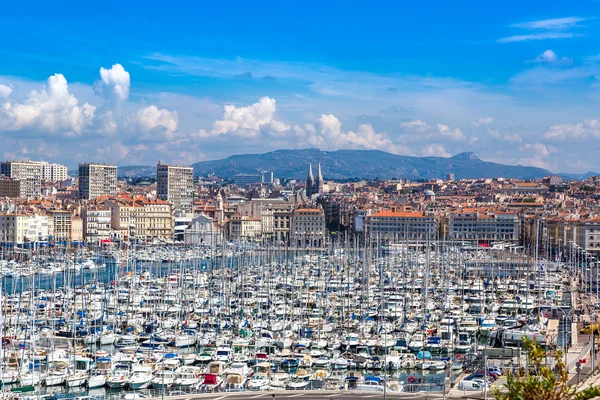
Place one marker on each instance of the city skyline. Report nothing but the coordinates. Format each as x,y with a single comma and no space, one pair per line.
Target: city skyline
515,86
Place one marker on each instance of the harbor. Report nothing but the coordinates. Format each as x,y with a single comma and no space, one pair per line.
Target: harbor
162,320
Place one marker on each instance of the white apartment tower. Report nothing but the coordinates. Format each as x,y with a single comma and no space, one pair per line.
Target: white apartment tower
54,172
97,180
30,174
175,184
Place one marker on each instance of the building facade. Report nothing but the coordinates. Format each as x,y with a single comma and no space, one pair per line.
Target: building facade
30,174
175,184
12,188
473,225
247,179
61,225
243,227
308,228
393,224
96,223
201,231
54,172
97,180
141,219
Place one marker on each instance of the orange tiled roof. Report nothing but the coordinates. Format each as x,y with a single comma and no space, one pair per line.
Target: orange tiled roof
398,214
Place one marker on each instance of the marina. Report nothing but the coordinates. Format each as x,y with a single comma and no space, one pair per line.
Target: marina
166,320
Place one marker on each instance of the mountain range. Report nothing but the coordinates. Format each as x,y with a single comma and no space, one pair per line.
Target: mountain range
367,164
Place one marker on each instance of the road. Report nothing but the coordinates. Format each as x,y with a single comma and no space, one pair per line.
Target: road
327,395
310,395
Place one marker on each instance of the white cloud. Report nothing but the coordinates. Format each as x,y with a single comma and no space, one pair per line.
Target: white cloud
419,131
550,24
327,133
53,109
435,150
247,121
554,28
329,125
113,153
114,83
154,119
454,134
550,57
105,123
538,149
483,121
536,161
589,128
513,138
5,91
535,155
416,124
539,36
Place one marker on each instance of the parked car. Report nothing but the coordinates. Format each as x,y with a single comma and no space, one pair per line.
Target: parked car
476,375
469,385
495,370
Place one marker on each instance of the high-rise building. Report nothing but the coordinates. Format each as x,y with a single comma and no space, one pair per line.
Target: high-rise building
11,188
54,172
30,174
97,180
267,177
175,184
247,179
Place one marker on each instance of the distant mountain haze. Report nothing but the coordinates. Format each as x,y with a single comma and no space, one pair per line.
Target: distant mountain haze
344,164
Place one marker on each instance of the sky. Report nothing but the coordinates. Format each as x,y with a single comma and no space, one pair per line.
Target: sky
132,83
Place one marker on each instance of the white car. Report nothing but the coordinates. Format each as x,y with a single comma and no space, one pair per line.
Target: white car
132,396
469,385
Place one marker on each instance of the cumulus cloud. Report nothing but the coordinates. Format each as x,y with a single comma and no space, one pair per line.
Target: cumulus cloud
547,56
550,57
105,123
113,152
538,149
589,128
248,121
418,130
114,83
454,134
483,121
52,109
536,154
152,119
5,91
416,124
435,150
327,133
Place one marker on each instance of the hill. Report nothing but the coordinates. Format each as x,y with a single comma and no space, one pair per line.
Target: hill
136,171
344,164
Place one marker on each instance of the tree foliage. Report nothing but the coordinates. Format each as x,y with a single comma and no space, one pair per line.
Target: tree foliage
541,382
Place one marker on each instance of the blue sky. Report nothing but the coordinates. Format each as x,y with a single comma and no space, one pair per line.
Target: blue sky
516,82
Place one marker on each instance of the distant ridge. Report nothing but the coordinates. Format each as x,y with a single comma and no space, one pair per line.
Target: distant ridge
368,164
136,171
577,177
363,164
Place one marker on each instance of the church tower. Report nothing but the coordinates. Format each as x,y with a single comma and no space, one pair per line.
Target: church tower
319,183
310,182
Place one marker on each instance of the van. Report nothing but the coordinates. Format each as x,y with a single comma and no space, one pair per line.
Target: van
469,385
